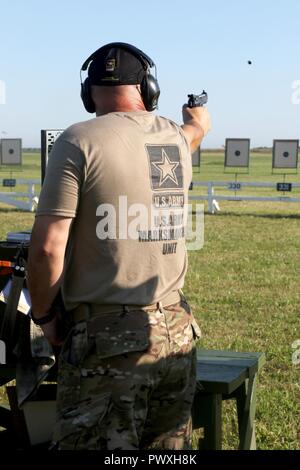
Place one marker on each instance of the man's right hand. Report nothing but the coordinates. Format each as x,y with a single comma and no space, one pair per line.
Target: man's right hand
199,114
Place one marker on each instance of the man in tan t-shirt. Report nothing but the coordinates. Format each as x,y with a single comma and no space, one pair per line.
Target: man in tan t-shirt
110,236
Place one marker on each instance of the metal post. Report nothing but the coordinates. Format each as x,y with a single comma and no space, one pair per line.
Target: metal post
31,196
210,194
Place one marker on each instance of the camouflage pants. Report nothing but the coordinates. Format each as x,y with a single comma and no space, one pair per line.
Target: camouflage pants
127,380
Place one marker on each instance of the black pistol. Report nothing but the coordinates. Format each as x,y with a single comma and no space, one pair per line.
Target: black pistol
197,100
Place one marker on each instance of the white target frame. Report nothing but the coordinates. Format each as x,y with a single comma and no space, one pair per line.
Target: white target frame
196,158
48,137
237,153
11,152
285,154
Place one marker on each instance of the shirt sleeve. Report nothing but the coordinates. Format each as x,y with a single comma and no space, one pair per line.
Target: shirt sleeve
64,178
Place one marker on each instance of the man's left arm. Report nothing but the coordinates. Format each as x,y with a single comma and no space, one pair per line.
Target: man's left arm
45,269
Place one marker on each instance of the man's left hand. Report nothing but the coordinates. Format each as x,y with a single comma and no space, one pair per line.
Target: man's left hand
54,331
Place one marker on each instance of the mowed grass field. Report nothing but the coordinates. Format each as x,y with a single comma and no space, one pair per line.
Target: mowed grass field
243,286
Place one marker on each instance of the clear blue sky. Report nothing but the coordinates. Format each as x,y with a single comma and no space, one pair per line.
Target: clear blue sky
195,44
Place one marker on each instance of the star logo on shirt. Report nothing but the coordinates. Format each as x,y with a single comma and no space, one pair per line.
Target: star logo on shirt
166,168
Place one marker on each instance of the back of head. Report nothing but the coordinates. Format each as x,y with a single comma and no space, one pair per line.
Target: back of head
118,64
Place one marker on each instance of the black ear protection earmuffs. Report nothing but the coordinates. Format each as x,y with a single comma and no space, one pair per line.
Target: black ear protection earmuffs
149,86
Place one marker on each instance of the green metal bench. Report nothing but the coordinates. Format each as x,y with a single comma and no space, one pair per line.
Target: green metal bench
224,375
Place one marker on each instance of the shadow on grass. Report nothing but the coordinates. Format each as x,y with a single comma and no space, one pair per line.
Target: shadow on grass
9,210
252,214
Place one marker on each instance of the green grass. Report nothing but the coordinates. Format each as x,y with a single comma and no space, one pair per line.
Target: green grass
244,289
31,168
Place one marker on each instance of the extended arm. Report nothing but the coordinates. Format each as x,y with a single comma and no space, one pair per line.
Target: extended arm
196,124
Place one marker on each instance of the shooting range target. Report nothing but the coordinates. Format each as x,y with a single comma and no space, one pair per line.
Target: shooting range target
48,137
237,153
11,152
196,157
285,153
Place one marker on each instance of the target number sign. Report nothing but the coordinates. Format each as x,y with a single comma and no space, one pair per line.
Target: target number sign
285,187
9,183
235,186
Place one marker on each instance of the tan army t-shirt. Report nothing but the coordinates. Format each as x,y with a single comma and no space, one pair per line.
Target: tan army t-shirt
124,178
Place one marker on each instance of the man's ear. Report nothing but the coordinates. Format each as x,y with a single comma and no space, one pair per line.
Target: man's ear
94,92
